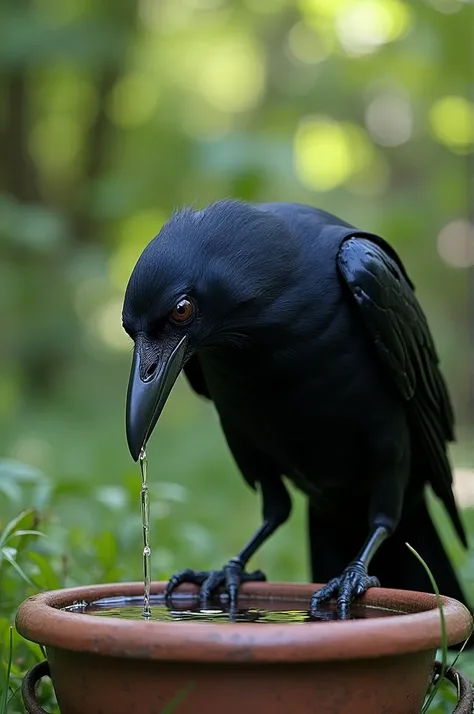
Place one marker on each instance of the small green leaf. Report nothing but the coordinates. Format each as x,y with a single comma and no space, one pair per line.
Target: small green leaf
12,525
17,534
5,552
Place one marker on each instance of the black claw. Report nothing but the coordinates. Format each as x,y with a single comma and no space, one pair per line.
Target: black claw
196,577
351,584
323,595
214,579
232,575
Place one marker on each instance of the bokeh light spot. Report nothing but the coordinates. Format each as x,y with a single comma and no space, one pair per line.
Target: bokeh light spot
133,99
452,122
362,27
447,7
322,154
362,150
327,153
306,45
106,325
389,119
231,74
456,243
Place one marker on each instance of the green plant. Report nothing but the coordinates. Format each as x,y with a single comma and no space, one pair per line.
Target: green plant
5,694
20,576
444,640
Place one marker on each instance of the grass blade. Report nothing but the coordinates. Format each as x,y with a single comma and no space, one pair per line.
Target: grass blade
4,695
444,637
5,554
13,694
10,527
178,699
18,534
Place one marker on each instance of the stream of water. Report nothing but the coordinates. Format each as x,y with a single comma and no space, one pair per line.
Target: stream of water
145,508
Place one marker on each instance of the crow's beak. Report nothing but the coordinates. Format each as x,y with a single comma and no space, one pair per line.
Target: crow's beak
155,368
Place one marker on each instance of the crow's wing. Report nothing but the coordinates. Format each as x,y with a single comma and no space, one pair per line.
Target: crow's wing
399,330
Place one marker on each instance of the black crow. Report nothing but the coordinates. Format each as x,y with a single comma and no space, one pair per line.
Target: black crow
306,334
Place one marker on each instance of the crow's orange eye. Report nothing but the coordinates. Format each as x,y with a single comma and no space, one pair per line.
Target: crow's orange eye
183,311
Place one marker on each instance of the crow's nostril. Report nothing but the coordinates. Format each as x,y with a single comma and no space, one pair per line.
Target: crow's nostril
150,371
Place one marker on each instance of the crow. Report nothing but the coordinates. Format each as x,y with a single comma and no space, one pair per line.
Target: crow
306,334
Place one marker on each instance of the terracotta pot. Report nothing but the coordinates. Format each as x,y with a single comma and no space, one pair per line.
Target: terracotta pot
102,665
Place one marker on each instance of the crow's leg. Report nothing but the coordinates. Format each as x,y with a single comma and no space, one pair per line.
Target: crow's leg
276,509
355,579
385,513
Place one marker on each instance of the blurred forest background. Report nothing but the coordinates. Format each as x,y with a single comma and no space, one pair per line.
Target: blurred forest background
113,113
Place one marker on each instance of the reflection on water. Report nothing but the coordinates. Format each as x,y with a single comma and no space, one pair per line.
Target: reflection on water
187,610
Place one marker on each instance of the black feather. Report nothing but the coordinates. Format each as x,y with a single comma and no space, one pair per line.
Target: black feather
400,333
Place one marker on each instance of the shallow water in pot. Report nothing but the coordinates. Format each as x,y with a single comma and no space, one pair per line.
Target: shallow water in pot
187,610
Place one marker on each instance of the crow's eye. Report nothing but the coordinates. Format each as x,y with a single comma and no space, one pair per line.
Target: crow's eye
183,311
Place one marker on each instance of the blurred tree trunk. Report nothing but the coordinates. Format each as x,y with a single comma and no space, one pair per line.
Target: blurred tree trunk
101,134
19,177
43,364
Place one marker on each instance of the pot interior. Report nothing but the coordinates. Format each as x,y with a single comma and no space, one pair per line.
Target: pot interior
185,607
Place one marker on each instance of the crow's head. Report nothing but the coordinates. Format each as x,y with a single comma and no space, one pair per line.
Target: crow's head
208,276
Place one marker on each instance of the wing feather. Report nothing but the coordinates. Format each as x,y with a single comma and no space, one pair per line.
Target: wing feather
400,332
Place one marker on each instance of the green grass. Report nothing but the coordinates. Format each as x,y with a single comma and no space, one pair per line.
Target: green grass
70,478
440,693
5,694
444,637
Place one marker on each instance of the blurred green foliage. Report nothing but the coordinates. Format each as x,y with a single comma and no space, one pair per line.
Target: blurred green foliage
113,112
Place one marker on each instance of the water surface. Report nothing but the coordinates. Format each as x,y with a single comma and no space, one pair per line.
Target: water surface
187,610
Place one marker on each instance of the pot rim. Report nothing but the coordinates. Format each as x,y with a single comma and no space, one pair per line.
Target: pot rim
40,620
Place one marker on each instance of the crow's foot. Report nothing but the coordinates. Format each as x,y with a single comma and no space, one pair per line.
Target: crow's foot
351,584
231,577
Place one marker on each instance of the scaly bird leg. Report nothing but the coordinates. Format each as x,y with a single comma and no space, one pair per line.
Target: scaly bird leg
276,509
355,579
384,516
